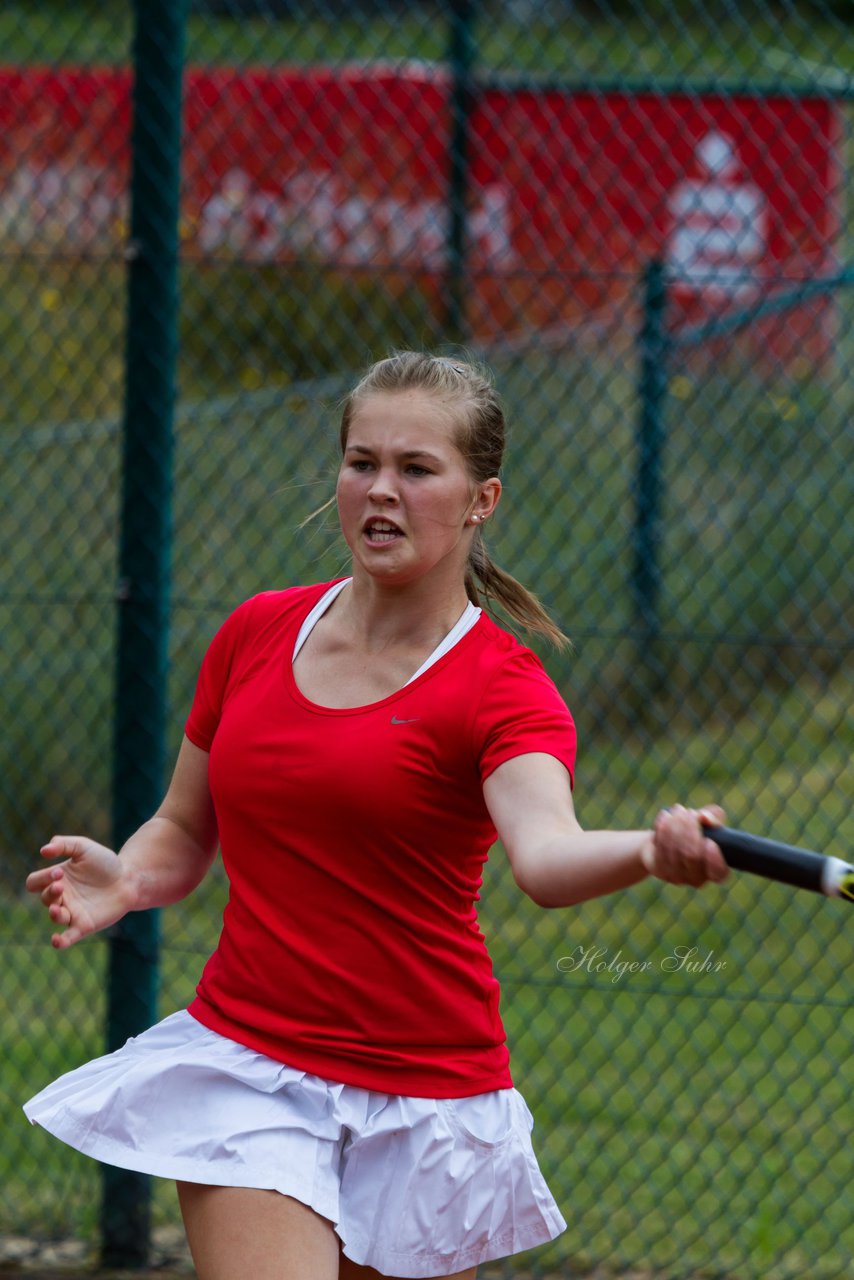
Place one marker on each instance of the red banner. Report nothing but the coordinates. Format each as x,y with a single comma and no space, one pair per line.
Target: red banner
570,194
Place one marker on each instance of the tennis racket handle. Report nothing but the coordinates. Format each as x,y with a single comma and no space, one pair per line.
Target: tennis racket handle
803,868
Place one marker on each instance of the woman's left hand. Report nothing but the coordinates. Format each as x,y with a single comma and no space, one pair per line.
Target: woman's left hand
678,850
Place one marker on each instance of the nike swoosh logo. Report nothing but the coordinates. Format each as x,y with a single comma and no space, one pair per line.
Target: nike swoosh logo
395,720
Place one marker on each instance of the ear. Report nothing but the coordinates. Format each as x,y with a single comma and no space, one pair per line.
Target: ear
486,500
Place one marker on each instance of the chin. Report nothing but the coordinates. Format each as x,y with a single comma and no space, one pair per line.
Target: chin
396,574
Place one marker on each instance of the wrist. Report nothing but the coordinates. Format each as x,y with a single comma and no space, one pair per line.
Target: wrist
646,853
129,885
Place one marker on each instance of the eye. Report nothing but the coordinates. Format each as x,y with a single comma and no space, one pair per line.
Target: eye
415,470
360,464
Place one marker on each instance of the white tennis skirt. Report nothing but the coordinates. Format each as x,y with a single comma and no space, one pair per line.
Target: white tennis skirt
413,1186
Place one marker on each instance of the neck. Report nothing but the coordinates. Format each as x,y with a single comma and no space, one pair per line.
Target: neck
411,614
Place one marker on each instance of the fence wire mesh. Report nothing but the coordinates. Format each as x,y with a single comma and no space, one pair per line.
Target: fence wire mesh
637,215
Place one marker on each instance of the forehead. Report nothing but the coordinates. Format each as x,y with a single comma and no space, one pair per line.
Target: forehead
408,418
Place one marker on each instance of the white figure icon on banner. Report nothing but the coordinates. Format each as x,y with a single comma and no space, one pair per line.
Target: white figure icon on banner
718,225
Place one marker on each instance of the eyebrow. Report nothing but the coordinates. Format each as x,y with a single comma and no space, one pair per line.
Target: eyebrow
407,453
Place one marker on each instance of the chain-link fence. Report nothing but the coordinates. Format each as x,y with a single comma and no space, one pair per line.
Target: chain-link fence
636,213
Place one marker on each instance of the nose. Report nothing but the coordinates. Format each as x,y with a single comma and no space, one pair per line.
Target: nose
384,486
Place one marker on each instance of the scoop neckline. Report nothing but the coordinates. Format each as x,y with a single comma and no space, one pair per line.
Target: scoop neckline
363,708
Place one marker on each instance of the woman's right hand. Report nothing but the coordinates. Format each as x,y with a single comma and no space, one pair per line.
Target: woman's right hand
84,893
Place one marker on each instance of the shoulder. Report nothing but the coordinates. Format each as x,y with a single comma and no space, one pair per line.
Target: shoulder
501,655
506,677
519,709
287,599
264,616
275,606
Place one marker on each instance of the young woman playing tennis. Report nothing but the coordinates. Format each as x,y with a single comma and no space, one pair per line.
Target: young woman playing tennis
337,1100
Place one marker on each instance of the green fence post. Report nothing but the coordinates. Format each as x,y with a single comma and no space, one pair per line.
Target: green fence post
652,391
461,56
143,595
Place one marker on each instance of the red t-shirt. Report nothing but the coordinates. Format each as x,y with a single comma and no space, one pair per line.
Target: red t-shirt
354,841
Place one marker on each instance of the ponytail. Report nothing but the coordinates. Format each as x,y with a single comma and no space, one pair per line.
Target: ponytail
517,601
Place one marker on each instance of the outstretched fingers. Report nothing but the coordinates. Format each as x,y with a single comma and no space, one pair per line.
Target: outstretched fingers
62,941
64,847
57,895
45,880
81,888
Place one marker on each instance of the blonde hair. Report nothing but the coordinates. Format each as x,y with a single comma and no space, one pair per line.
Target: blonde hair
480,437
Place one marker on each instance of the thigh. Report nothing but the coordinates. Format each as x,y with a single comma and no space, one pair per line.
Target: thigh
235,1232
351,1271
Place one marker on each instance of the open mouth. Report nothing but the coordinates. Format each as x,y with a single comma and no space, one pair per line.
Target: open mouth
378,531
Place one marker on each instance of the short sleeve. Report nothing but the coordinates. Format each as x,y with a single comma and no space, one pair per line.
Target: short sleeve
214,675
520,712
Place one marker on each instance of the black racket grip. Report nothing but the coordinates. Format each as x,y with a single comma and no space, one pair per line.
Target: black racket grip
802,868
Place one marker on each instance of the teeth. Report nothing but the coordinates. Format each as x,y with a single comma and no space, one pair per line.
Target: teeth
381,530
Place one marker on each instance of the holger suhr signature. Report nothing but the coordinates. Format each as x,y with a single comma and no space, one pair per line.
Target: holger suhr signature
599,961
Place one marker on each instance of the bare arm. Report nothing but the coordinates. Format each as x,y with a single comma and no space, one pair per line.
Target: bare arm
162,862
557,864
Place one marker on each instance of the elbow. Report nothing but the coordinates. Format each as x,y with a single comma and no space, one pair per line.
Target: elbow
549,903
546,891
534,888
545,903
